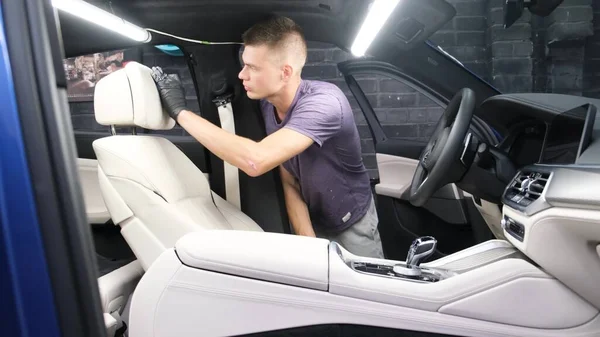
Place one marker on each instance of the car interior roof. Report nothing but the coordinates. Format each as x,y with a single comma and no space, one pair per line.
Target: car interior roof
329,21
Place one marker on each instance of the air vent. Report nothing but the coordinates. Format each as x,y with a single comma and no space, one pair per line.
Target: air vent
527,187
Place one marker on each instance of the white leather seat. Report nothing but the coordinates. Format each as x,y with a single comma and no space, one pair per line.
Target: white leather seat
151,189
95,208
115,289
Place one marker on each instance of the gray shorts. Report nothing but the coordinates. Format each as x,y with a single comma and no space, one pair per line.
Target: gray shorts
362,238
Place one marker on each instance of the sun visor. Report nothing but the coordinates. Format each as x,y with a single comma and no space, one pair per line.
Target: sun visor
411,23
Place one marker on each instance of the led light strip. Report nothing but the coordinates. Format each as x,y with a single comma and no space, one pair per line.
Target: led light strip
379,12
102,18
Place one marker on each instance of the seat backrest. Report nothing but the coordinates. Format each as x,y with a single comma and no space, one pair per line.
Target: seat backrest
150,188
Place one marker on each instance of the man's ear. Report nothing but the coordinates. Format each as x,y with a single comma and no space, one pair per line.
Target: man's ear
288,71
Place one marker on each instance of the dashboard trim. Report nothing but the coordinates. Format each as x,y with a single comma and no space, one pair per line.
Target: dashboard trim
568,186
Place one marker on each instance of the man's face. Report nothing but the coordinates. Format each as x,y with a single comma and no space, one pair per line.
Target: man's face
262,76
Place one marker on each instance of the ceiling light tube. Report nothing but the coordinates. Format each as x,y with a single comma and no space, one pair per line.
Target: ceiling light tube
102,18
379,12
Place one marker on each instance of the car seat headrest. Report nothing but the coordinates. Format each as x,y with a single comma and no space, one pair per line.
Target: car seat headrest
129,97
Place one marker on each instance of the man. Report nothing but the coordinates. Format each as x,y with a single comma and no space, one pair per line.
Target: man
312,138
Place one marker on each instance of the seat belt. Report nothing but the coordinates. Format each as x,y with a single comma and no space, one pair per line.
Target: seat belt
232,181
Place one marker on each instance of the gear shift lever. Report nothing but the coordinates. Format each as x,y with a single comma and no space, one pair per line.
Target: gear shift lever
420,249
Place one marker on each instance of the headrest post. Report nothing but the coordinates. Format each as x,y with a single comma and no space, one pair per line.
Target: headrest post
113,130
134,131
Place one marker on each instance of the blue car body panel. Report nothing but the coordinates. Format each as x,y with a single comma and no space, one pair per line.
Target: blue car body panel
28,307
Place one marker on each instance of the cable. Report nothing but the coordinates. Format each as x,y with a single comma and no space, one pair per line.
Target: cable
189,40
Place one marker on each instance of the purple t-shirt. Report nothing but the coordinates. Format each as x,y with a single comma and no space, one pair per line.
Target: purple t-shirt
333,179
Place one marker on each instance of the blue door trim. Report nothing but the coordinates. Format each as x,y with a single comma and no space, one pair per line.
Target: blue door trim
21,250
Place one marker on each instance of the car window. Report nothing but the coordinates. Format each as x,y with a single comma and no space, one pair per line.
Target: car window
83,72
404,113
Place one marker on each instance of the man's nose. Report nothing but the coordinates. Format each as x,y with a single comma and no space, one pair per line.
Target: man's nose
242,74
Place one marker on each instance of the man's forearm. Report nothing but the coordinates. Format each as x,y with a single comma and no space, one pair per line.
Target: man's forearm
231,148
297,211
254,158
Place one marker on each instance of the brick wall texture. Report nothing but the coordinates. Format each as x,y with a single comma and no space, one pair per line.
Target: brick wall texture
558,54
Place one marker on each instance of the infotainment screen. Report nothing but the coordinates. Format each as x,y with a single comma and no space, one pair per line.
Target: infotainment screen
568,135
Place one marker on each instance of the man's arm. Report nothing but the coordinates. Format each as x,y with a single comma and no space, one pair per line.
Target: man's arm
296,206
254,158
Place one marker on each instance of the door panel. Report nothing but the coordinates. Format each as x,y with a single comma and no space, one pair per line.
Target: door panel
400,222
395,178
395,175
401,148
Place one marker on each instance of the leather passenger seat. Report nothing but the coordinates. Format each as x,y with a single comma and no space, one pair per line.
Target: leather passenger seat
151,189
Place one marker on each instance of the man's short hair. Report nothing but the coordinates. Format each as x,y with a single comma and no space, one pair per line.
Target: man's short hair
280,33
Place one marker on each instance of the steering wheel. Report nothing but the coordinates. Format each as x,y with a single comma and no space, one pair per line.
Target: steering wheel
439,163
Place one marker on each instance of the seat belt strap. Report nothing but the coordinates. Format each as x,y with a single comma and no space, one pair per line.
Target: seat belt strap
232,181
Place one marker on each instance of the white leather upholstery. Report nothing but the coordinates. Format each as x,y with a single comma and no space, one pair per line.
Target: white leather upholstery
509,297
111,324
561,240
115,289
116,286
288,259
95,208
128,97
151,189
395,174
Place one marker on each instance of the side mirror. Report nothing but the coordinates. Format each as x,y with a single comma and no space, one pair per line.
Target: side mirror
513,9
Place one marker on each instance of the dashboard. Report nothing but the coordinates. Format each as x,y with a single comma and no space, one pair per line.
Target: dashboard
550,209
538,127
568,136
551,135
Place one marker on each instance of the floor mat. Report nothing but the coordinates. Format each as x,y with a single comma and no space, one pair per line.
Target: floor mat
106,265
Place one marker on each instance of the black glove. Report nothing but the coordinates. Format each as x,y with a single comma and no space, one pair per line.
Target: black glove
170,90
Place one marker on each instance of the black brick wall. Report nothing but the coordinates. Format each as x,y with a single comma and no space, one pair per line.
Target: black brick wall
559,53
591,79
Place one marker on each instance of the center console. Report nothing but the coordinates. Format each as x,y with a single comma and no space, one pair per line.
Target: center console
410,270
214,281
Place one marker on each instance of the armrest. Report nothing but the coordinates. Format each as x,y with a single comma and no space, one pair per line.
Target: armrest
281,258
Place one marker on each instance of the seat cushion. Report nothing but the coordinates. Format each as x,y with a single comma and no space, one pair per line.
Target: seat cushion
157,181
157,195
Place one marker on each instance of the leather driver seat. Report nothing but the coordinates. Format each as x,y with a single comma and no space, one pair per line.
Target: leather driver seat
151,189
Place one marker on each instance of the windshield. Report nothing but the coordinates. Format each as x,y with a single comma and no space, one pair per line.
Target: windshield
559,53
